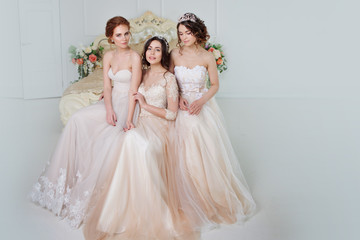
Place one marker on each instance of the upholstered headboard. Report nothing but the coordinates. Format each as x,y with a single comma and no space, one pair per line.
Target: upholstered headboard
143,28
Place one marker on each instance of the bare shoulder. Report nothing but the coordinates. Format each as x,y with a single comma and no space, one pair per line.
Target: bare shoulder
175,52
135,56
108,55
208,56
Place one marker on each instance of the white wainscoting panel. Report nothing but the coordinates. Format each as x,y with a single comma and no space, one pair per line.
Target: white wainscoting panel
155,6
96,14
206,10
10,60
40,48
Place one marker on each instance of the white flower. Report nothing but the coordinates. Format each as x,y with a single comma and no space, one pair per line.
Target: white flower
216,53
82,54
51,193
88,50
94,47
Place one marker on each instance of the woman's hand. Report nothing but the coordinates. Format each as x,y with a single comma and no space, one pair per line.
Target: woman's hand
140,98
101,96
129,125
111,117
196,107
183,104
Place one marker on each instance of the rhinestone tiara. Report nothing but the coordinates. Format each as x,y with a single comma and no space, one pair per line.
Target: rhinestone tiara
187,17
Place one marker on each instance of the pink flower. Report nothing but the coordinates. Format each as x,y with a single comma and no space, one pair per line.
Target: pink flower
211,49
80,61
219,61
92,58
73,60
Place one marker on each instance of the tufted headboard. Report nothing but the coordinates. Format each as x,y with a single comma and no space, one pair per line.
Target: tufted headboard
143,28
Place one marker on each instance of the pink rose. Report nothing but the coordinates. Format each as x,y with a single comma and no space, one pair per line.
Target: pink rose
73,60
80,61
219,61
92,58
211,49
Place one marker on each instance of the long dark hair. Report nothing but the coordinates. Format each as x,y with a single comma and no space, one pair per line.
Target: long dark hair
165,55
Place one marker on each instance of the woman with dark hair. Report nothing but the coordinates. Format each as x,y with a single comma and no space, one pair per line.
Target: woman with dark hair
68,183
211,186
137,200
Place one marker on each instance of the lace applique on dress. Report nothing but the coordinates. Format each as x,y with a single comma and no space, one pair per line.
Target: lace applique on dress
158,93
170,115
192,81
51,195
172,87
56,197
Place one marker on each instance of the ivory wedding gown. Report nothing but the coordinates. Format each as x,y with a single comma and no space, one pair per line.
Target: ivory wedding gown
210,184
138,201
71,182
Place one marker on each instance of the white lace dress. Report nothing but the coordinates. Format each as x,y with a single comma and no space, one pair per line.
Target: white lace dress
71,181
212,188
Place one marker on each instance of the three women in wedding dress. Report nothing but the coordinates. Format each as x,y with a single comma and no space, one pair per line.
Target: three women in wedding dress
168,176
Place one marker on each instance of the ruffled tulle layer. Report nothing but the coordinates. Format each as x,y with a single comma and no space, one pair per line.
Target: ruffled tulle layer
137,202
211,187
73,178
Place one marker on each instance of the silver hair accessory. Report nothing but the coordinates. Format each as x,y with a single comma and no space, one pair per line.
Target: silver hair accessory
162,38
166,42
187,17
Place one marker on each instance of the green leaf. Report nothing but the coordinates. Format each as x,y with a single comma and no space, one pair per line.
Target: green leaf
72,49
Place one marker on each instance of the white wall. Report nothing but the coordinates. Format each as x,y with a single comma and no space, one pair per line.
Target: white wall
40,48
290,48
10,60
30,49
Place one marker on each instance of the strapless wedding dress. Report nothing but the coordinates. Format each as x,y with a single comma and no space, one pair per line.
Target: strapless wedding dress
212,188
71,181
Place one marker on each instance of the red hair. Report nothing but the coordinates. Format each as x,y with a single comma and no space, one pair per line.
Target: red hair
112,23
